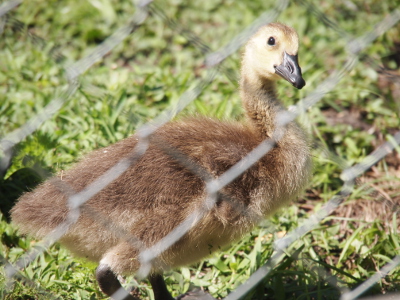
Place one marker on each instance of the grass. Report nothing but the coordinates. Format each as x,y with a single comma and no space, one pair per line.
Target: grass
146,74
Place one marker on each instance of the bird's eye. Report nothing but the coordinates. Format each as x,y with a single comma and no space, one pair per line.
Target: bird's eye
271,41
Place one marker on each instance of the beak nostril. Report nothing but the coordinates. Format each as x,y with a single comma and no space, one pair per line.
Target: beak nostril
291,68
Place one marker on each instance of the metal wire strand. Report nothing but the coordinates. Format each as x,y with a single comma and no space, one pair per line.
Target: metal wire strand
213,60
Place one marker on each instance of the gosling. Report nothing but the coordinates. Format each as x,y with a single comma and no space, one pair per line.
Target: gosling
159,191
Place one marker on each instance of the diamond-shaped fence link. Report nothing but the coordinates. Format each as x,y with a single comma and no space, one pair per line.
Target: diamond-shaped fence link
213,61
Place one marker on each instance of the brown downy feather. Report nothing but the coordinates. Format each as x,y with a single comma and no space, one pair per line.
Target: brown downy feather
158,192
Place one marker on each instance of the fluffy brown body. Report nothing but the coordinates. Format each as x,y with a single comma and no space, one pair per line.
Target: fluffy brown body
158,192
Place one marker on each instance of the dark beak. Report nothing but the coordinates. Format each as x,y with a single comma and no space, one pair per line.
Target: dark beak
290,70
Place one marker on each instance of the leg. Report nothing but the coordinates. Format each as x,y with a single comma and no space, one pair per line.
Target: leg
159,288
161,292
109,283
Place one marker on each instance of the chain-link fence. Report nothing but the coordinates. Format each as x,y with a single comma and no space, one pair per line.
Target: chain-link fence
214,63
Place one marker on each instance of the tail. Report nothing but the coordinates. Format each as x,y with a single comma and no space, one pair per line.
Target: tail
39,212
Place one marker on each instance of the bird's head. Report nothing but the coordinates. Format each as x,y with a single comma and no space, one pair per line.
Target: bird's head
272,54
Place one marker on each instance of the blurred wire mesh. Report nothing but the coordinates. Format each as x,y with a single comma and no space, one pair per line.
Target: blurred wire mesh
213,61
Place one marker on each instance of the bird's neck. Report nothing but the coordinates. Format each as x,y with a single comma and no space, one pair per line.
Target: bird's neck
261,103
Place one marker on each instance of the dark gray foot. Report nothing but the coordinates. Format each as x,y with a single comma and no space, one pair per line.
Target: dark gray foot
196,294
109,283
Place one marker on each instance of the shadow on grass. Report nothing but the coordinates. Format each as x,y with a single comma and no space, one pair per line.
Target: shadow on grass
307,279
14,186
